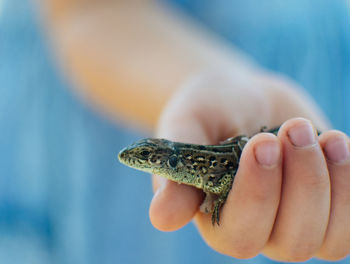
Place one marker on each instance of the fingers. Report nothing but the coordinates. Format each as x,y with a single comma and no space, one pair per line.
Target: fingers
305,200
200,114
249,212
337,240
290,217
173,204
193,116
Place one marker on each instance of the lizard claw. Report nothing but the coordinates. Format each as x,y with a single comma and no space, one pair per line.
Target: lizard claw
215,217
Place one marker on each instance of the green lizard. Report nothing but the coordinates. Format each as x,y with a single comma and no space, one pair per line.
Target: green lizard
211,168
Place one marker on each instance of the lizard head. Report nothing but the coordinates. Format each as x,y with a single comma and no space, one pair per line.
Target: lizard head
151,155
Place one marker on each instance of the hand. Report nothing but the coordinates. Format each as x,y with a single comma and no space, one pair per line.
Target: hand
291,196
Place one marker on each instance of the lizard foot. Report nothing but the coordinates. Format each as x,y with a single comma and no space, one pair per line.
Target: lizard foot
215,217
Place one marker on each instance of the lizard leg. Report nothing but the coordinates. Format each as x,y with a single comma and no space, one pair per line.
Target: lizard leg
207,205
215,217
232,140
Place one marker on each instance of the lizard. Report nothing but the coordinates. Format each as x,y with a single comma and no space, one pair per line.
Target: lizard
211,168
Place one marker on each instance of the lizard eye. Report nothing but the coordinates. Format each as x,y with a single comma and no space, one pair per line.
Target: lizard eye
173,161
145,153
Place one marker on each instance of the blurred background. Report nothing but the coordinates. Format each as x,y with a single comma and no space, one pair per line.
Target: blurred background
81,79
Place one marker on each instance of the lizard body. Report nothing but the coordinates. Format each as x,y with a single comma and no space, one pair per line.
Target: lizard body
211,168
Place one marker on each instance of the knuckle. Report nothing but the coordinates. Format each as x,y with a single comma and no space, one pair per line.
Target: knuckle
333,256
299,252
292,249
297,258
244,250
260,196
317,181
333,253
240,248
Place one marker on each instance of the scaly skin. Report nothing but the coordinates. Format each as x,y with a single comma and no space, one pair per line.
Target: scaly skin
211,168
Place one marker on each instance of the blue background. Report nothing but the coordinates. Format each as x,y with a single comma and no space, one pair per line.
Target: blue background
63,196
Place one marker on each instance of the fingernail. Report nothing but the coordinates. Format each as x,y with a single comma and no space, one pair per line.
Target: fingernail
267,153
302,135
337,149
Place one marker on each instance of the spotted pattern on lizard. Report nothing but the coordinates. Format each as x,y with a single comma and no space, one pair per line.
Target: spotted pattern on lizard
211,168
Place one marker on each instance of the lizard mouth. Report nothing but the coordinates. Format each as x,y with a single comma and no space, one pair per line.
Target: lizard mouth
123,157
126,158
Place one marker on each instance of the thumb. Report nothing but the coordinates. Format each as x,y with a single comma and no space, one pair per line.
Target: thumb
173,204
199,113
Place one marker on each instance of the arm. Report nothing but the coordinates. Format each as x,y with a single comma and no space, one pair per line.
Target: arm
128,57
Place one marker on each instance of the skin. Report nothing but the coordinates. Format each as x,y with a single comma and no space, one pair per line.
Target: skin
294,208
98,45
288,210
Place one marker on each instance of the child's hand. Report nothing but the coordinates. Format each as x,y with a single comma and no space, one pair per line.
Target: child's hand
291,196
